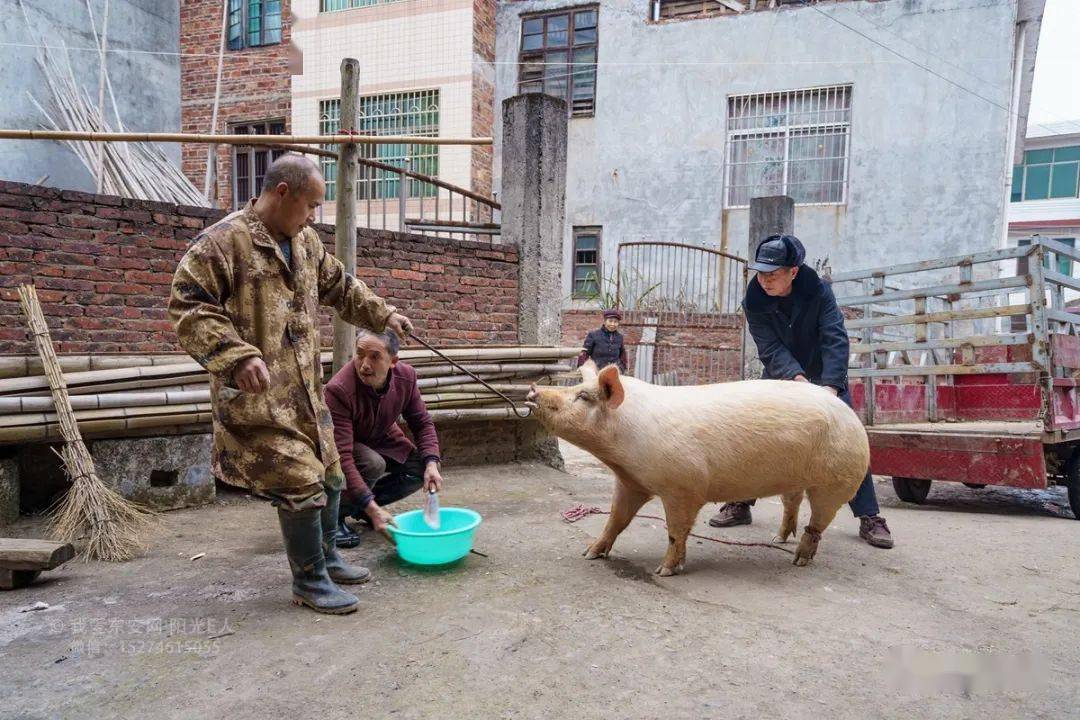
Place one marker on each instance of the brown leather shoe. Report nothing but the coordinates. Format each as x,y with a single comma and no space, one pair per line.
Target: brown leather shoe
732,514
874,531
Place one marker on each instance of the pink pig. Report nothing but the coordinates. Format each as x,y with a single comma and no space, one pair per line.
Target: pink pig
711,443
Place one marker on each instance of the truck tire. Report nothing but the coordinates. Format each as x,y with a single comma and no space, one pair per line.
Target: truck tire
911,490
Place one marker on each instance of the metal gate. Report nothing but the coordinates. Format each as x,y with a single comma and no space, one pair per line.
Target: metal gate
681,312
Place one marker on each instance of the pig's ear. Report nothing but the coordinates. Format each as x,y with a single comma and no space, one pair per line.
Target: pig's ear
588,371
611,388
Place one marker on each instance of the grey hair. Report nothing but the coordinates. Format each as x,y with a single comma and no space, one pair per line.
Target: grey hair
294,170
389,338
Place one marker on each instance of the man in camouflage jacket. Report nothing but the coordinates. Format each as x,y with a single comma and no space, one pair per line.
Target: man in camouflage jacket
245,302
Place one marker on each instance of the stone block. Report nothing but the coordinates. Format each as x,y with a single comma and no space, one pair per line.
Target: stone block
164,473
9,491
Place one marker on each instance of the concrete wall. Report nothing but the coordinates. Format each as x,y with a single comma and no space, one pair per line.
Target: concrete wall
928,161
146,83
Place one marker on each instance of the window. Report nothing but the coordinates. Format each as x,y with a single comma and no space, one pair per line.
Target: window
253,23
404,113
789,143
558,57
586,261
250,163
1047,174
335,5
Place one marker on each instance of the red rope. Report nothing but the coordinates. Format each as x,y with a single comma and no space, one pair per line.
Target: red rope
578,512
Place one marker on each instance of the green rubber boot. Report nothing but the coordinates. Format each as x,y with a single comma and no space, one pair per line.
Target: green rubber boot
311,585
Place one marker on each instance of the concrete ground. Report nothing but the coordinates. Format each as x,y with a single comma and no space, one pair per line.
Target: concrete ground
942,626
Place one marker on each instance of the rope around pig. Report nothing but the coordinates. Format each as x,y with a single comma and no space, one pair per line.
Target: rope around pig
579,512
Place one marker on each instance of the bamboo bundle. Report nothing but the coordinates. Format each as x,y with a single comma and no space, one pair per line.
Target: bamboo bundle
125,394
111,525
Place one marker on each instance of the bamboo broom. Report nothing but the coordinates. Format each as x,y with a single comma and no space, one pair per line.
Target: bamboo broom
111,526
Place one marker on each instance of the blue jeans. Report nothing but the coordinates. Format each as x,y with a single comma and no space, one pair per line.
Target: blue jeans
865,503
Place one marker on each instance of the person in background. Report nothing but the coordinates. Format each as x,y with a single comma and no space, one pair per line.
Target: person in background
799,332
605,345
381,464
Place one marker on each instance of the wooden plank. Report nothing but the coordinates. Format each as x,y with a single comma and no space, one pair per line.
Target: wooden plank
1061,280
924,292
940,264
908,370
940,317
1065,350
23,554
943,343
1062,316
1059,248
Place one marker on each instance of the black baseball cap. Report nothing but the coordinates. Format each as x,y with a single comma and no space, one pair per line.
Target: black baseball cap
778,251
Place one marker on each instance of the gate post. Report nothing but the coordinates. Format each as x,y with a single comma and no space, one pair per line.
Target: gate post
774,215
533,209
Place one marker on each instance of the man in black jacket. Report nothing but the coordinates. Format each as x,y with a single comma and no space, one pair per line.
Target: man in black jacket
799,332
605,345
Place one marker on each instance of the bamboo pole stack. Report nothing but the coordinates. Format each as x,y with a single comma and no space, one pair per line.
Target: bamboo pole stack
129,395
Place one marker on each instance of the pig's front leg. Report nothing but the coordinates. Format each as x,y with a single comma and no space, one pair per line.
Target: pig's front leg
680,514
628,499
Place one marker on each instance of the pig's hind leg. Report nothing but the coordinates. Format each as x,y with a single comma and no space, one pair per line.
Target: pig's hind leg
680,515
790,524
627,501
824,502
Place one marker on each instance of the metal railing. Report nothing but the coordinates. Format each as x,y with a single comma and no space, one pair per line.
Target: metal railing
396,198
682,314
1000,312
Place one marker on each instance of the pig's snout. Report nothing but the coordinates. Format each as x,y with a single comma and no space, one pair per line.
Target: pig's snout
530,399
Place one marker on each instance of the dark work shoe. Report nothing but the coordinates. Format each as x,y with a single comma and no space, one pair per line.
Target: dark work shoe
874,531
732,514
345,536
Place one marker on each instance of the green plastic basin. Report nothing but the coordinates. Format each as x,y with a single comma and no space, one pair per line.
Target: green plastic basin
417,543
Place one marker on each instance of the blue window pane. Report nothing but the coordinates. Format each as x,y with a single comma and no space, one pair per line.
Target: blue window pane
1037,186
1065,154
1063,180
1017,183
1031,157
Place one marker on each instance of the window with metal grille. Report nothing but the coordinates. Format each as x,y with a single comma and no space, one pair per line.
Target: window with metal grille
558,57
250,163
404,113
789,143
253,23
586,261
335,5
1046,174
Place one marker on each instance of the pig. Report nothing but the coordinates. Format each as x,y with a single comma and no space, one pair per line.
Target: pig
710,443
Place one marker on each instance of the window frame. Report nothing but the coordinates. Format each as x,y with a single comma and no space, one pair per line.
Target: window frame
250,151
381,184
570,48
351,6
787,132
243,7
578,231
1050,166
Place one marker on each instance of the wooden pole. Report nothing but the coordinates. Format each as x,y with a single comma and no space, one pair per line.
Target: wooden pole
102,72
345,214
211,150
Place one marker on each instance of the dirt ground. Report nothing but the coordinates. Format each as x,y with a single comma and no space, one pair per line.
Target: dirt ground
973,615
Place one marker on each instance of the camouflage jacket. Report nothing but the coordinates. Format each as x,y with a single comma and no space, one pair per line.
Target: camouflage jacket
235,297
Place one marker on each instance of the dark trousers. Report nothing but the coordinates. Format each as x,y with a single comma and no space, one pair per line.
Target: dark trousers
388,479
865,503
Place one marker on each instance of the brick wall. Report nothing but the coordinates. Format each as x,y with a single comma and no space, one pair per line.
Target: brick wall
103,267
255,86
696,349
